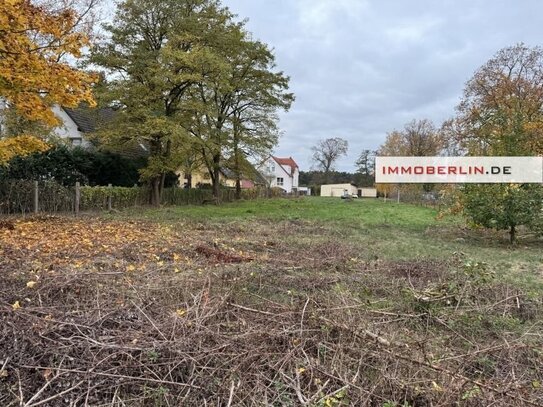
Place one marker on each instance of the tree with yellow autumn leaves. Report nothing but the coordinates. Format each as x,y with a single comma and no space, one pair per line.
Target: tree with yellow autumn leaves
501,114
36,41
20,146
34,45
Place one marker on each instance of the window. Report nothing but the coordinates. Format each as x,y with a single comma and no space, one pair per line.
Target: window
77,142
280,182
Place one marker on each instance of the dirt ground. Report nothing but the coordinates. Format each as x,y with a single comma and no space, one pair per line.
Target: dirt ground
105,312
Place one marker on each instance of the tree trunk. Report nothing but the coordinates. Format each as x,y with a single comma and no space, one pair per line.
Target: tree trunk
512,234
217,176
155,145
237,160
155,191
189,181
162,180
238,188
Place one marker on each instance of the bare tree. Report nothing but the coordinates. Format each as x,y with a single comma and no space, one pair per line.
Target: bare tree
327,152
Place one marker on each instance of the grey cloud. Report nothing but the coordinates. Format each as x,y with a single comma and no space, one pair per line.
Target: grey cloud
363,68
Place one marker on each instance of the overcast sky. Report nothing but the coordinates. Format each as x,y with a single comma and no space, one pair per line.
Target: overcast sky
362,68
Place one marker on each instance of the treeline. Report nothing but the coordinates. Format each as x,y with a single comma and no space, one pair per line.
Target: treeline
326,153
316,178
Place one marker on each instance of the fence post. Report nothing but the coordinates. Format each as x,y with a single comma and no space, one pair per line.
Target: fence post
398,195
77,197
109,205
36,197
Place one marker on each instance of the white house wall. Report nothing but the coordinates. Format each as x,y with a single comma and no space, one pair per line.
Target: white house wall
68,130
295,178
289,181
281,173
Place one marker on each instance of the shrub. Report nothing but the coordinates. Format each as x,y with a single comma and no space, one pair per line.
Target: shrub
93,198
504,206
68,166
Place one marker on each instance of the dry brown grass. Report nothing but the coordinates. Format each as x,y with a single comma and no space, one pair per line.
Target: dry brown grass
137,314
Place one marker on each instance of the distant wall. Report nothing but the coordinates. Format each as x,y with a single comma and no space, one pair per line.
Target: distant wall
338,190
367,192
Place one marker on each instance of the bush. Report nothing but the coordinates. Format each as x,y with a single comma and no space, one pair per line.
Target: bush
67,166
504,206
17,196
95,198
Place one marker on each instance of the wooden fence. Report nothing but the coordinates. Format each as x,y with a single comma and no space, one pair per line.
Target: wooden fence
24,197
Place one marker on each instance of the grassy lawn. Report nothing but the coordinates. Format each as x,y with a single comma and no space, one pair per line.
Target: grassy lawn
380,230
311,301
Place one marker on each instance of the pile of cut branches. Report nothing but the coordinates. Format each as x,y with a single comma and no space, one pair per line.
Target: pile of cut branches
251,333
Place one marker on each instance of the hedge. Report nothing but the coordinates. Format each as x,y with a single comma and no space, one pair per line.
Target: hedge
17,196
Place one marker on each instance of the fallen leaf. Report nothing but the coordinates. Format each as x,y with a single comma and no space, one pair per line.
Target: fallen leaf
31,284
47,373
16,305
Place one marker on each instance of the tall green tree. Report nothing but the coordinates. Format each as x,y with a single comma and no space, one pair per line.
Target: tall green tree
233,114
254,134
365,168
156,52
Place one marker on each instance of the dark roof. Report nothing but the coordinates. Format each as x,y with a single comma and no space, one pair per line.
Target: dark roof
249,172
228,173
130,149
88,119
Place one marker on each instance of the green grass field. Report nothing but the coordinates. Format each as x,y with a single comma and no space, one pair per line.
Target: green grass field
380,230
283,302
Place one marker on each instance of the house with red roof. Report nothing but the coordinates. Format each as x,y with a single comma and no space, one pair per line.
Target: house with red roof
281,172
